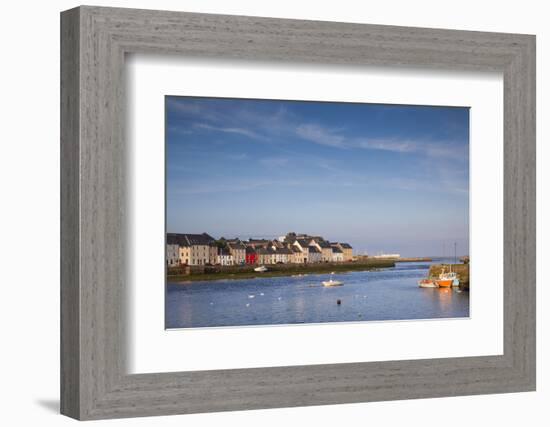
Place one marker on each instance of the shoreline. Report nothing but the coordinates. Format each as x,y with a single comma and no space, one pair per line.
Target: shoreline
279,271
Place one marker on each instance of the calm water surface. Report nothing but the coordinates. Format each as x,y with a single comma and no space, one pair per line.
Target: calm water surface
390,294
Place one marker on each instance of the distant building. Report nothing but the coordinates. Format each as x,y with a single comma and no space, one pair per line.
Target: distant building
202,249
258,243
238,250
314,254
277,256
185,253
194,249
225,257
303,245
213,253
172,255
337,254
283,255
325,248
297,257
251,257
266,256
275,244
348,251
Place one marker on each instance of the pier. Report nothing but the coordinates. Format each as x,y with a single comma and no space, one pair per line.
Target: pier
463,271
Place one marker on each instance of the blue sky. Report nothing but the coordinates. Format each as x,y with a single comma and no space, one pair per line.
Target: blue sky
381,177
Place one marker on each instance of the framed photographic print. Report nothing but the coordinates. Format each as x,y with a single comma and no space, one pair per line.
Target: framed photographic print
345,212
363,172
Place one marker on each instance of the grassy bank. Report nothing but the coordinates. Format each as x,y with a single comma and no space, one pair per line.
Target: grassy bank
279,270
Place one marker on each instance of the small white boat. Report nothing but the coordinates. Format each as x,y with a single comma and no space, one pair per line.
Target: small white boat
329,283
427,283
261,269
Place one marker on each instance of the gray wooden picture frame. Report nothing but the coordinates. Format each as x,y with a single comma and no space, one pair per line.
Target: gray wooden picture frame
94,41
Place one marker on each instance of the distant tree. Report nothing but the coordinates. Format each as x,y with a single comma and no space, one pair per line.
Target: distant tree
290,237
221,243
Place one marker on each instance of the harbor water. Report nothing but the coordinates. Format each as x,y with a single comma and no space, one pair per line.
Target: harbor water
388,294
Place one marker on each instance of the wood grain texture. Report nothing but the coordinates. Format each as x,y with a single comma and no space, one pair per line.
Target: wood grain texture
94,231
70,220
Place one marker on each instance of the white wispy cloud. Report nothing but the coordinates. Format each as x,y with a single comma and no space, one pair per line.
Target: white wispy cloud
271,126
335,138
236,130
320,135
398,146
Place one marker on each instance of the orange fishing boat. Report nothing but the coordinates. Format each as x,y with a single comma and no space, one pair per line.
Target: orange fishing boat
445,279
444,283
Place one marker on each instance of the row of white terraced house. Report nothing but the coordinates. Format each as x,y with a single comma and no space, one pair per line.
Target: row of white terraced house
203,249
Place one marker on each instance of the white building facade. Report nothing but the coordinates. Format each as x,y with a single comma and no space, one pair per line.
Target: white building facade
225,258
172,255
337,255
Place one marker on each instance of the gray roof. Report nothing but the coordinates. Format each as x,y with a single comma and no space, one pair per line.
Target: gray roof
337,250
314,249
176,239
224,252
236,246
296,249
324,244
284,251
265,251
189,239
346,245
250,250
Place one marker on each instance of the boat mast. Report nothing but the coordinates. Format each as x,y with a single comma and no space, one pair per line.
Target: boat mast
455,252
443,256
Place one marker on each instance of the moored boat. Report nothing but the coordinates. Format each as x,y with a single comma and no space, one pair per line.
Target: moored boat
329,283
261,269
427,283
450,276
444,283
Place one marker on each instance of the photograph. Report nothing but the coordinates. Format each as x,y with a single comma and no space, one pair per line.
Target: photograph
285,212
